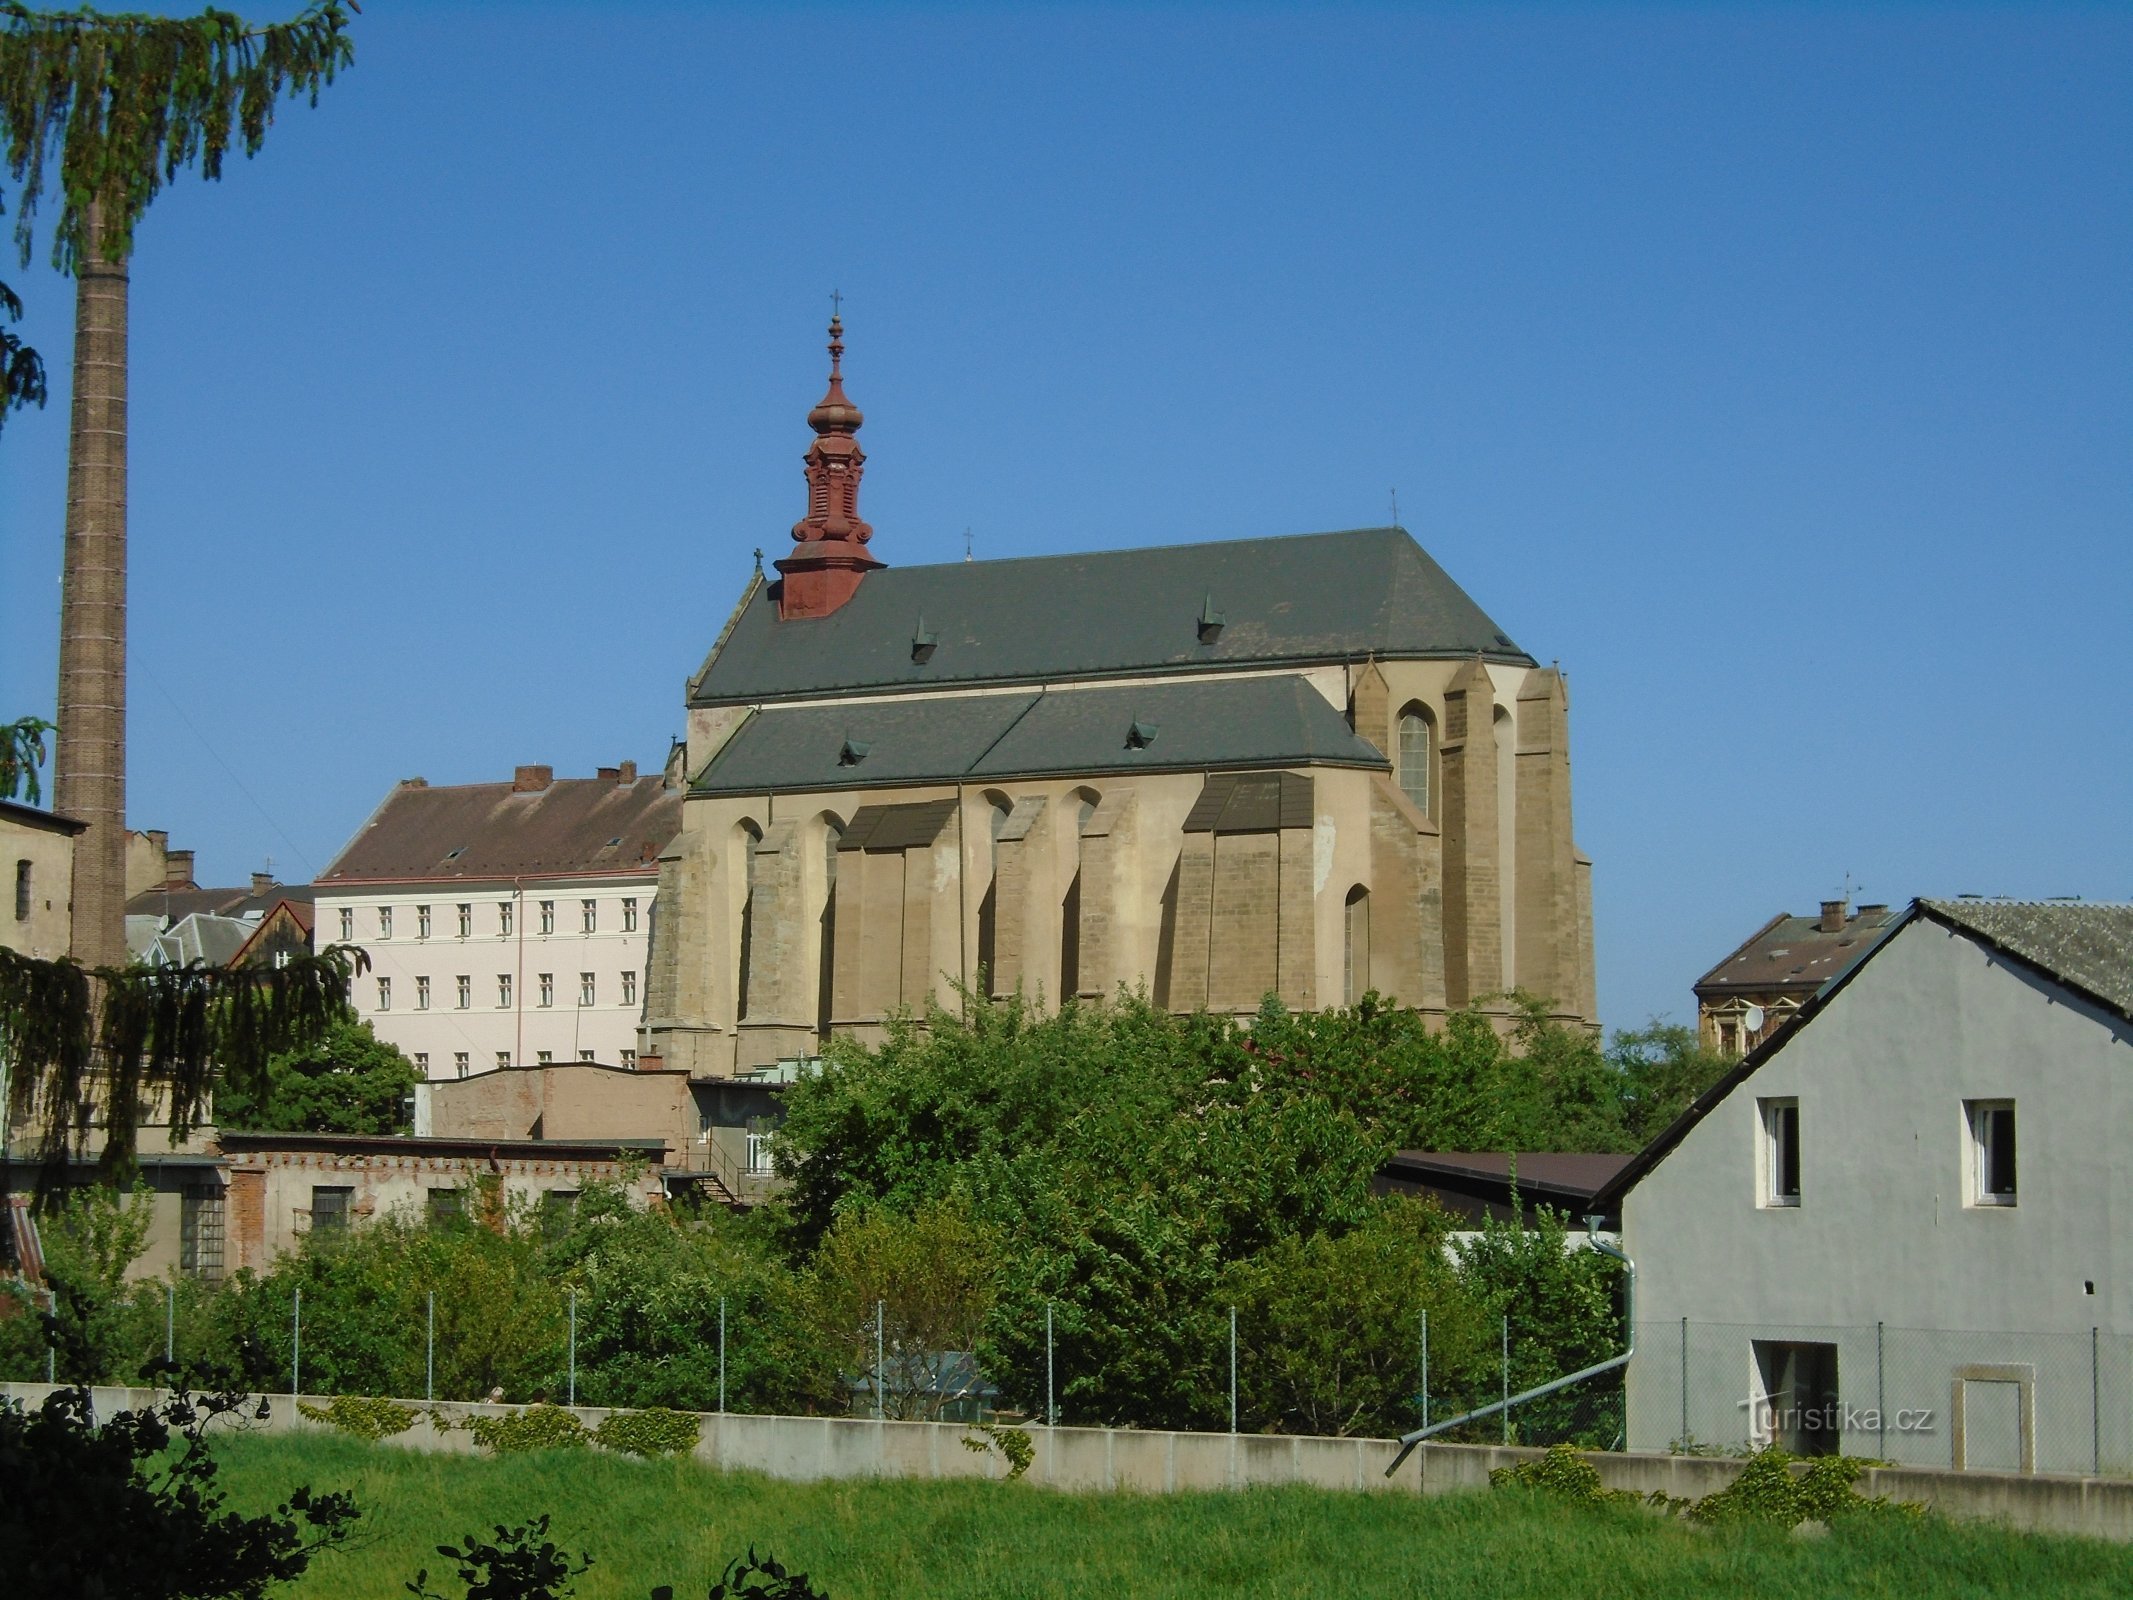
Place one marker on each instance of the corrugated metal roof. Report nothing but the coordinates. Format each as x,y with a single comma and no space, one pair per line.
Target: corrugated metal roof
1303,598
485,831
1270,721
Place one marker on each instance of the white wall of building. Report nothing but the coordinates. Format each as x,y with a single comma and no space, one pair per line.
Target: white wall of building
1887,1229
491,1030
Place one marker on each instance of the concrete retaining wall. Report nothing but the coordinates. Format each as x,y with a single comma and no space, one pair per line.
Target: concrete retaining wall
1107,1459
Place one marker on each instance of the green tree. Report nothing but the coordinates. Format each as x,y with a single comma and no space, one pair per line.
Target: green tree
21,368
1663,1067
21,754
349,1081
1330,1326
101,111
90,1321
928,1278
649,1286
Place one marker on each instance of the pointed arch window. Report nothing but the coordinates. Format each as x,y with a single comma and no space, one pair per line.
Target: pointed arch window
746,839
1418,749
826,979
1355,947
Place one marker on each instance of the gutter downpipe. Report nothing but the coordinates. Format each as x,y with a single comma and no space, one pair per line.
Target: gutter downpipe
1408,1441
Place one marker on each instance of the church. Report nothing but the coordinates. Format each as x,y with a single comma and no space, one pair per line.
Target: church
1309,766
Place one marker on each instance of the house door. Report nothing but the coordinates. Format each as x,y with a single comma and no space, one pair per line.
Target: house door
1799,1384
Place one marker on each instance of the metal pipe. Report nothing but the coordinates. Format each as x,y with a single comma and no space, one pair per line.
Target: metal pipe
1051,1411
573,1400
1425,1366
1232,1369
1408,1441
296,1345
722,1355
170,1324
429,1352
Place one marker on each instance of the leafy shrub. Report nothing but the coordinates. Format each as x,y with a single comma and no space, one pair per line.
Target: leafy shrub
1768,1490
1562,1472
755,1578
520,1563
655,1432
362,1415
540,1427
1014,1445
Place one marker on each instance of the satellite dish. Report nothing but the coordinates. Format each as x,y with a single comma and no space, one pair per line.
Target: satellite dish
1752,1019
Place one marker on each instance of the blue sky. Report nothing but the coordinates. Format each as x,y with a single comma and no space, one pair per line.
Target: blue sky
1772,368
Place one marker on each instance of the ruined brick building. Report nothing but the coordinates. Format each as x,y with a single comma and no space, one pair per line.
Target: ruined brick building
1307,766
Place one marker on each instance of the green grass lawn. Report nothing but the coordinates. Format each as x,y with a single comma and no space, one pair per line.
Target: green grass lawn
675,1522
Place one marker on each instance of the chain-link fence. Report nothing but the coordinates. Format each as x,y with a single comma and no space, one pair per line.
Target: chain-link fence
2014,1402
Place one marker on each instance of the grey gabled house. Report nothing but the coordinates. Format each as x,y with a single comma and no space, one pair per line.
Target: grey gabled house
1903,1227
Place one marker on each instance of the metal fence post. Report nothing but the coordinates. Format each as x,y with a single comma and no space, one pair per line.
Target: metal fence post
170,1324
1051,1409
429,1351
1507,1377
1232,1369
881,1390
573,1378
2096,1401
1425,1366
722,1355
296,1345
1684,1383
1881,1395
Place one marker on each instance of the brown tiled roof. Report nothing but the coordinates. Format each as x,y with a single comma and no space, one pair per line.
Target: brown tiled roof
1793,955
497,830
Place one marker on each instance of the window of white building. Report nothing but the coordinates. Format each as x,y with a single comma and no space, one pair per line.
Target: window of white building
544,1057
348,924
547,916
422,922
585,989
503,920
1992,1151
465,986
466,921
629,916
629,988
503,1058
1780,1158
385,994
459,1062
385,922
422,994
547,988
589,916
503,989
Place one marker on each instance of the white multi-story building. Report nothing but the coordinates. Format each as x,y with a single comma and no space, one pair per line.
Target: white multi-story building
506,923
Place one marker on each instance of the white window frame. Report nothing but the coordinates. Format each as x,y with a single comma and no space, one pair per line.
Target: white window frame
629,914
588,989
385,922
460,1063
464,986
503,1059
348,924
1772,1129
588,916
758,1157
1982,1129
422,922
466,919
385,994
503,919
547,990
503,991
422,993
547,916
629,987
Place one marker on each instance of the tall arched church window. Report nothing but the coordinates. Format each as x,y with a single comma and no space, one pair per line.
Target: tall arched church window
1417,746
1355,947
746,838
826,981
1082,806
998,808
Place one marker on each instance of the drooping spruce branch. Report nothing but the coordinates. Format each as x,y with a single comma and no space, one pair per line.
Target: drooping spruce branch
105,108
109,1046
21,368
21,754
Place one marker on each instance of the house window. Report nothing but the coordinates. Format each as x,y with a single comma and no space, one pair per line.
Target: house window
447,1207
1781,1152
585,989
422,994
503,920
547,916
459,1063
558,1206
503,989
330,1207
348,924
759,1137
466,921
200,1232
422,1063
629,916
1797,1406
422,922
544,1057
1729,1038
463,985
629,1059
1992,1151
589,916
503,1059
22,891
547,988
629,988
385,994
1414,757
586,1055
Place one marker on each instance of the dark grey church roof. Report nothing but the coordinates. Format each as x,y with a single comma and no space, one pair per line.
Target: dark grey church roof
1277,720
1303,598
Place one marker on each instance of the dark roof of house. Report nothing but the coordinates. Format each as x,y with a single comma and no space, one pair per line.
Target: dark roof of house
1796,955
478,831
236,1143
174,905
1270,721
2084,947
1474,1184
35,817
1302,598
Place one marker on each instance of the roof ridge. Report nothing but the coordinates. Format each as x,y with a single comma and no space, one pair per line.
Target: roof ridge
996,562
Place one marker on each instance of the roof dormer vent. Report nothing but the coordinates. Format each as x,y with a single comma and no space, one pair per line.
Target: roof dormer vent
1140,735
1211,620
924,640
852,751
